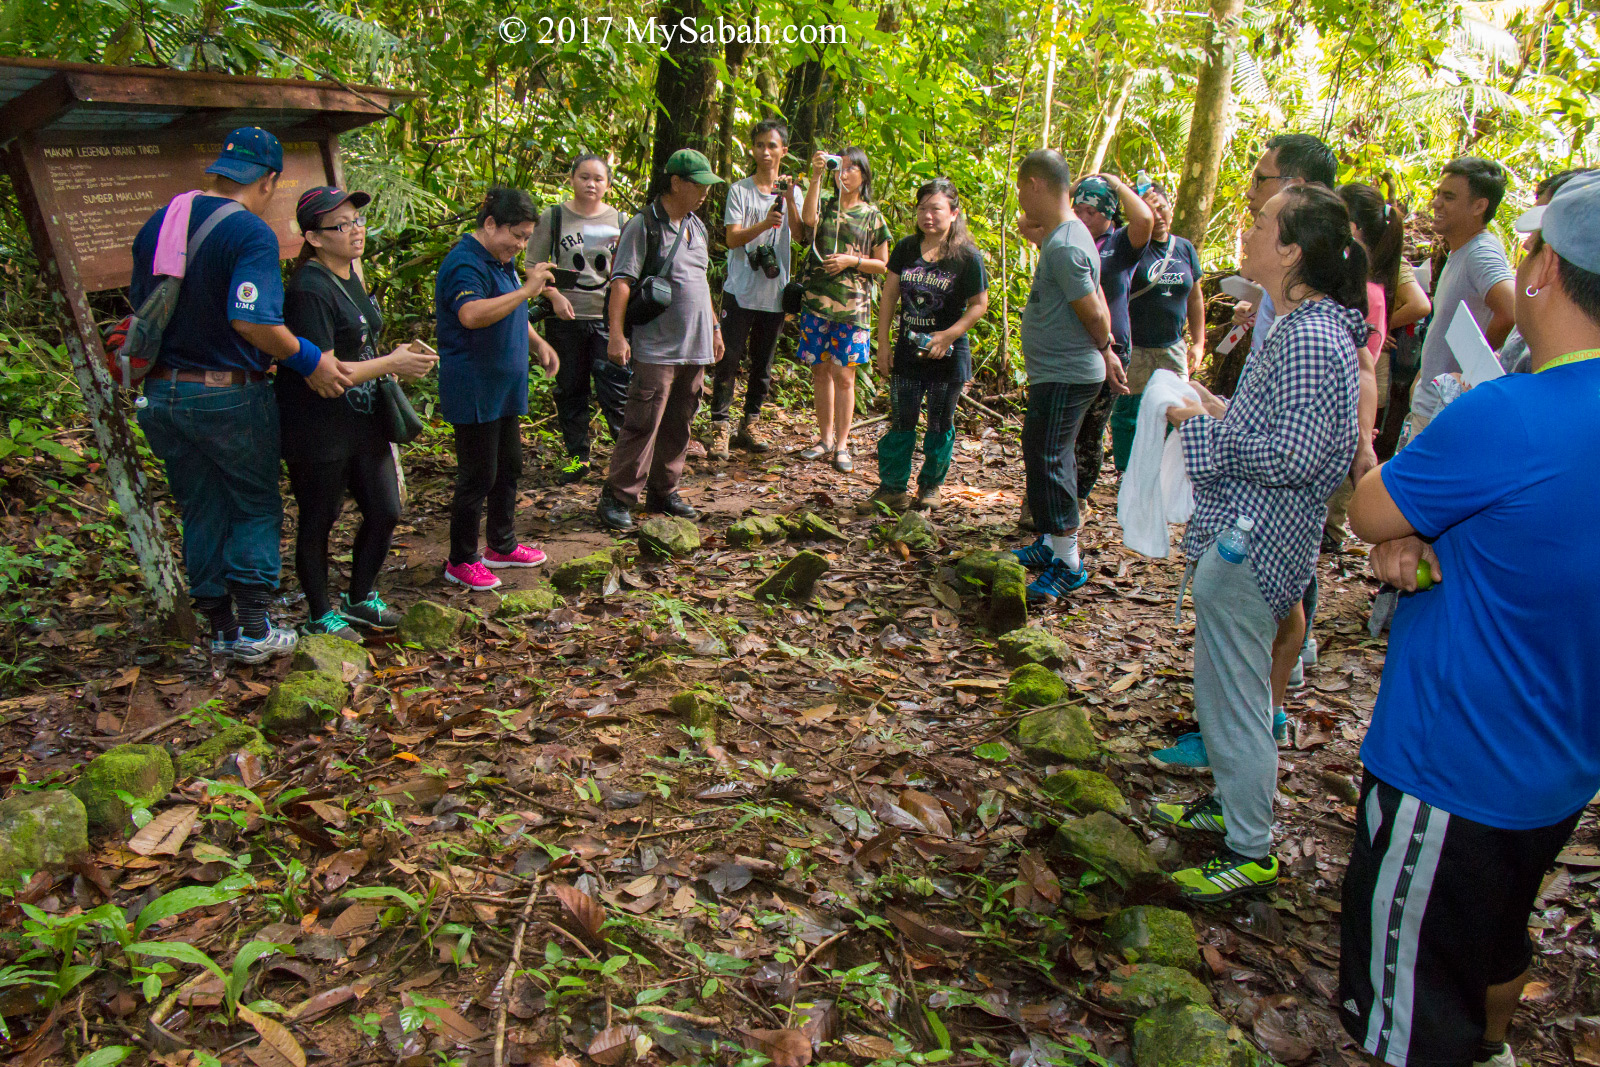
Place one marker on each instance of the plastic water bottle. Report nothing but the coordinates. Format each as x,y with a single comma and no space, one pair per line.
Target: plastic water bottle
1234,545
1142,183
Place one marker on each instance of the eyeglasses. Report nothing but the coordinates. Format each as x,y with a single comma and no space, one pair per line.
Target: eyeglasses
1257,180
344,227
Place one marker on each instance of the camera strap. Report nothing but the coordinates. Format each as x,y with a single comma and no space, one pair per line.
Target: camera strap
654,222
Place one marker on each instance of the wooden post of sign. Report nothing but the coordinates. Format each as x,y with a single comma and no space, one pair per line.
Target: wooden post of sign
118,449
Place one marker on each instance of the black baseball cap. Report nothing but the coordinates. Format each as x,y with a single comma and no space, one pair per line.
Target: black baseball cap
319,200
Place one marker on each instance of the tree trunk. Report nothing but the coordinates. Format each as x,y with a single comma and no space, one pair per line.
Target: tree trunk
733,56
1208,128
1049,79
685,87
1005,216
808,97
1110,124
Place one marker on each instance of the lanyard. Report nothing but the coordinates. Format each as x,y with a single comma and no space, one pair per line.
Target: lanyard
1570,357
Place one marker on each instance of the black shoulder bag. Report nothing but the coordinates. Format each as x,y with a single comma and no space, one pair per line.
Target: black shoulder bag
396,417
652,295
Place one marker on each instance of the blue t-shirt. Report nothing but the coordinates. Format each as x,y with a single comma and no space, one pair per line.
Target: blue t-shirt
483,373
1117,260
1490,702
1158,298
234,275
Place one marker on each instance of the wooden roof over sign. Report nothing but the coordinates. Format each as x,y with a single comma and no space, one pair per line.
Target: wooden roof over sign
69,100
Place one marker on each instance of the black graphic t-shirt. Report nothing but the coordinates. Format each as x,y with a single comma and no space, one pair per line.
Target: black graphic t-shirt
1158,291
933,297
337,314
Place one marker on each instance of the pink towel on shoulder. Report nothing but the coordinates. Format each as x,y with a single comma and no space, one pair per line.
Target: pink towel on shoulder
172,243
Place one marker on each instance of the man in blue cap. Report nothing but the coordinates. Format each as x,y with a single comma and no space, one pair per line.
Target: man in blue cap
211,416
1484,746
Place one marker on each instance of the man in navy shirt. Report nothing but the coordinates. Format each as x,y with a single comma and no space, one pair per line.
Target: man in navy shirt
211,416
1485,741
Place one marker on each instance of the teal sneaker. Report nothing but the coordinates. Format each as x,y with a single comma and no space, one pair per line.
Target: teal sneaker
1037,556
1280,727
333,624
1056,581
1188,754
372,612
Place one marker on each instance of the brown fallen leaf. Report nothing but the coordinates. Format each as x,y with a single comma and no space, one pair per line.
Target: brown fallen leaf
869,1046
924,932
785,1048
165,834
339,868
587,911
1036,880
611,1045
928,811
316,1007
276,1035
355,918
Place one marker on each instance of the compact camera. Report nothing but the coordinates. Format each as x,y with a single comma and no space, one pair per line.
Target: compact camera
764,258
832,162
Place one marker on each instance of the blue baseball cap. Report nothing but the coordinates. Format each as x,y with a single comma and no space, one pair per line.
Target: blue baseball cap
247,155
1570,222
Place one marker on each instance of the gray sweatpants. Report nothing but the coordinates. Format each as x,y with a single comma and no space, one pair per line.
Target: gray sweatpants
1233,632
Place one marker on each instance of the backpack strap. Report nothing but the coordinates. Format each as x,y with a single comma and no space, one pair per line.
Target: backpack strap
555,232
232,207
655,262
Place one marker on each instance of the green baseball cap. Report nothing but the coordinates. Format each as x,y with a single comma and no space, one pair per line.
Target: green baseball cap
687,163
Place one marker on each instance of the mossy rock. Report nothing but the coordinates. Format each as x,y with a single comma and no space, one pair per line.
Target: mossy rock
659,669
585,574
522,602
1189,1035
668,537
1148,934
144,772
1033,686
1147,986
302,701
1086,791
1008,597
434,626
47,829
1104,843
1058,735
975,570
699,712
809,526
756,530
325,652
1030,644
915,531
203,758
795,580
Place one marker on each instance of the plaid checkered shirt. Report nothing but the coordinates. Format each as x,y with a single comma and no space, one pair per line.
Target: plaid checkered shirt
1282,448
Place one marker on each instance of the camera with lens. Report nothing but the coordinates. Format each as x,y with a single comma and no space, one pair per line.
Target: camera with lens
780,185
832,162
764,258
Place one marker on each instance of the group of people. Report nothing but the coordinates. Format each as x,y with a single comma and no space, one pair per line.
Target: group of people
1483,746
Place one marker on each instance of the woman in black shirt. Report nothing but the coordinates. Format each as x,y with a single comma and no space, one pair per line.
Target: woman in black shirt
336,445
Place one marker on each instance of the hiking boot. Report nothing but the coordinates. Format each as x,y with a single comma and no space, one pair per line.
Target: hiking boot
1037,556
613,513
816,451
277,641
718,449
372,612
474,576
333,624
576,470
1226,876
745,436
1056,580
671,504
896,500
927,497
1203,814
521,556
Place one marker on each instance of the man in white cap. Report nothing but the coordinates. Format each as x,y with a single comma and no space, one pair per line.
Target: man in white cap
1485,741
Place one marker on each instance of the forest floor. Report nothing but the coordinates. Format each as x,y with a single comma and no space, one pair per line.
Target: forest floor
860,865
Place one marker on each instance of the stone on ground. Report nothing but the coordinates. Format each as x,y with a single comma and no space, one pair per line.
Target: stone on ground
975,570
1189,1035
1033,686
795,580
699,711
1086,791
303,700
1033,645
1148,934
1104,843
659,669
205,757
809,526
668,536
39,830
585,574
1058,735
1008,597
521,602
756,530
1147,986
144,772
325,652
915,531
434,626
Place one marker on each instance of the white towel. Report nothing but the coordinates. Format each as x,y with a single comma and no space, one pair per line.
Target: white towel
1155,487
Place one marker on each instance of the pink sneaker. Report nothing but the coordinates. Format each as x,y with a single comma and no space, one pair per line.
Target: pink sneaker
472,575
521,556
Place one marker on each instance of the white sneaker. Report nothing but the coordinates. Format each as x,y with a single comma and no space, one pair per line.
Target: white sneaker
278,641
1297,674
1504,1058
1308,652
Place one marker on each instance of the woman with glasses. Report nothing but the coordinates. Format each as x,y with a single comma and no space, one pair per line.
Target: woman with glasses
335,445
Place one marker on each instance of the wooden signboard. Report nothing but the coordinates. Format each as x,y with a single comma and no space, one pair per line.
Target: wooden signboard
99,193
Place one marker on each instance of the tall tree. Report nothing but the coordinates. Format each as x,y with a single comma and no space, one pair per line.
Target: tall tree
686,81
1208,127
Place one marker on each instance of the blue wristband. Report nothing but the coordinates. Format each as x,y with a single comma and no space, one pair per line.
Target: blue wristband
304,361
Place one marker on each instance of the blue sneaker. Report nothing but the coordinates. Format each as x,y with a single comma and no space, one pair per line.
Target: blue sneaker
1037,556
1280,727
1186,756
1057,580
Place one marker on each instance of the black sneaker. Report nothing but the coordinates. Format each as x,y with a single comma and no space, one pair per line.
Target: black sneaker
576,470
333,624
671,504
613,513
372,612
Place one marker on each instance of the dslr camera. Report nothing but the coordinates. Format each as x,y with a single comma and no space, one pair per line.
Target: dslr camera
764,258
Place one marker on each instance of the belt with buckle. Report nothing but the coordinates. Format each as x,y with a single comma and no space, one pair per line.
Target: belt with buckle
216,379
